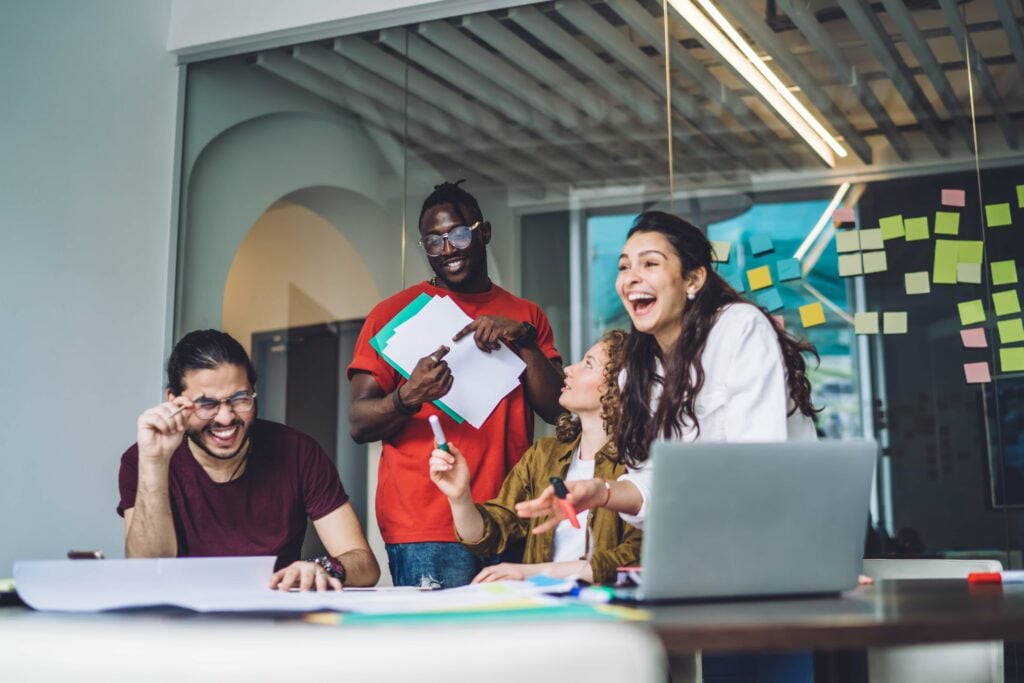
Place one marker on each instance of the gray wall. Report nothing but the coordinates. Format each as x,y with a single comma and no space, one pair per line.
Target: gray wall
86,156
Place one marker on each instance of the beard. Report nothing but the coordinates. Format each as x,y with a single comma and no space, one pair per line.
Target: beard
195,436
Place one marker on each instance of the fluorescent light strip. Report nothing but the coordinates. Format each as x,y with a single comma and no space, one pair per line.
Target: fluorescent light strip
759,64
729,52
826,217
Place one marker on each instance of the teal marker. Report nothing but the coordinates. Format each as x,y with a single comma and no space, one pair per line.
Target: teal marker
442,442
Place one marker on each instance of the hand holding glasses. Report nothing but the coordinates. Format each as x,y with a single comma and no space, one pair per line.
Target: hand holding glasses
459,237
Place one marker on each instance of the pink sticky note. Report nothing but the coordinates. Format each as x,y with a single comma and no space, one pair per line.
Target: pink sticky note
977,373
843,215
974,338
780,320
953,198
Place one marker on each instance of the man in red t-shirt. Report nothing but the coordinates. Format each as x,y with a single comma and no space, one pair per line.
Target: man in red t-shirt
206,478
415,519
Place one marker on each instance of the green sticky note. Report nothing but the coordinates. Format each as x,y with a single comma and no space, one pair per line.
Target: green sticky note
847,241
969,273
971,312
1020,196
865,323
917,283
1006,302
894,323
970,251
871,239
947,223
917,228
892,227
849,265
947,255
1004,272
874,262
1011,330
1011,359
997,215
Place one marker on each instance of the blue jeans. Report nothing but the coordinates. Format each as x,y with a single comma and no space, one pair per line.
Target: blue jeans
439,565
794,667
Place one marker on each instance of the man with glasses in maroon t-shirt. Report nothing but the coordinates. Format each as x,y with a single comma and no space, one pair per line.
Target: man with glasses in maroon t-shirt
206,478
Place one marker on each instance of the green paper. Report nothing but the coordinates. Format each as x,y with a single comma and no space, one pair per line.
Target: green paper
1006,302
892,227
1011,331
1020,196
865,323
570,611
997,215
917,228
970,251
874,262
971,312
847,241
1004,272
947,255
917,283
969,273
894,322
947,223
1011,358
871,239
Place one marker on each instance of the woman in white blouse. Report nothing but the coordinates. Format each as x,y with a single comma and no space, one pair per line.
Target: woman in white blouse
701,364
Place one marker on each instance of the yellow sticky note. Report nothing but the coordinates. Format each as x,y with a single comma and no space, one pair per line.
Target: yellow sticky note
874,262
892,227
1004,272
759,278
1011,359
871,239
917,228
997,215
894,322
849,265
969,273
947,256
847,241
1011,331
812,314
720,251
917,283
971,312
1006,302
865,323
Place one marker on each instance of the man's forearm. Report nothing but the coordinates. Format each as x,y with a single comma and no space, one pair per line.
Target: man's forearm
376,419
542,383
361,568
151,530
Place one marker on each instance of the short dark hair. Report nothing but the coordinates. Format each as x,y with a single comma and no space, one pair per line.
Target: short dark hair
205,350
450,194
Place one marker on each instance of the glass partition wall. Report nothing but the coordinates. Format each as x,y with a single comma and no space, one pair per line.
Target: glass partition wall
857,165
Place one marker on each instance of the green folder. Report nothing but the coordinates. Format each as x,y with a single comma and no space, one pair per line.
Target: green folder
569,611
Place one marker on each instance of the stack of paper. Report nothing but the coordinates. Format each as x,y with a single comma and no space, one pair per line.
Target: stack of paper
479,379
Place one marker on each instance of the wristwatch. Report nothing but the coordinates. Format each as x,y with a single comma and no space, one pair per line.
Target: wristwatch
334,568
527,338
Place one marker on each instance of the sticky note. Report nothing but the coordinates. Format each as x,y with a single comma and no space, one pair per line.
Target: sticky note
971,312
917,228
969,273
1011,359
865,323
812,314
788,269
1010,331
997,215
947,223
846,241
844,215
759,278
892,227
874,262
977,373
894,322
720,251
953,198
1020,196
974,338
849,264
769,299
947,255
917,283
1004,272
970,251
871,239
760,244
1006,302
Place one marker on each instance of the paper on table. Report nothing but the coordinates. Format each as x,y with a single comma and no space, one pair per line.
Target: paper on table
977,373
953,198
974,338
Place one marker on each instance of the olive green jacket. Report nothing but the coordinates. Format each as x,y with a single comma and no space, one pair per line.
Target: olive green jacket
612,542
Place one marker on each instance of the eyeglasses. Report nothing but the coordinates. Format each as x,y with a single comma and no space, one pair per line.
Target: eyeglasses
241,402
459,238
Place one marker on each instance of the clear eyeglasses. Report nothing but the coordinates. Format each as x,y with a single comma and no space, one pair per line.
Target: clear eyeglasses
459,237
240,402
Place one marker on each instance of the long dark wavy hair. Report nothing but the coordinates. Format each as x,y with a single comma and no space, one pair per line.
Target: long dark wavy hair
683,372
568,426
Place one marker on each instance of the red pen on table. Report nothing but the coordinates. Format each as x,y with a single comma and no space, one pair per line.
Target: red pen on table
1013,576
567,507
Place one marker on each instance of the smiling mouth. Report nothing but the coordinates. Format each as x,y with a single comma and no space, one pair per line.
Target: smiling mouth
224,436
454,265
641,302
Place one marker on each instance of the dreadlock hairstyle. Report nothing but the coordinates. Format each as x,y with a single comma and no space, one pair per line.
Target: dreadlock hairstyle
683,372
568,426
464,205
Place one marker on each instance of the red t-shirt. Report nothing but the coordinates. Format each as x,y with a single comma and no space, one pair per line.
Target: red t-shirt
287,479
410,508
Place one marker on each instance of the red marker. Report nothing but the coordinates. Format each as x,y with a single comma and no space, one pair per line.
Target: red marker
996,577
560,493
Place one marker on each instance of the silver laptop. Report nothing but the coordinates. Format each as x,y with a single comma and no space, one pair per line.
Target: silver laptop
743,520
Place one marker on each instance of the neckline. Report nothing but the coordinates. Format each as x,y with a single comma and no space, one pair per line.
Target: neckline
475,297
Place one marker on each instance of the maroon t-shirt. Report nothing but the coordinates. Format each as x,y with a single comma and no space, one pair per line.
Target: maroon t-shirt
288,478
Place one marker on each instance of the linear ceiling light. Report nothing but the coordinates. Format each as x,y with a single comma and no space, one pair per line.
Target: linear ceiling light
826,218
741,56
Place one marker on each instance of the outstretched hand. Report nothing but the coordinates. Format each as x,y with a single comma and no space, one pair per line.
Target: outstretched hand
489,331
584,494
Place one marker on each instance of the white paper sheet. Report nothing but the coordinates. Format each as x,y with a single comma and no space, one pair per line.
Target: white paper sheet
233,584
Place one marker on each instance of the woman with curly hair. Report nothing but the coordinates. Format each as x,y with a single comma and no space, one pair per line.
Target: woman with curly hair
583,448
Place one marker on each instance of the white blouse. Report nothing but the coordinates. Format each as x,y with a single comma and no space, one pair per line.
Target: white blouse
744,398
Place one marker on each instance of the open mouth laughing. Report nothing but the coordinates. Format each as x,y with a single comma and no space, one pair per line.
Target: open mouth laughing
640,303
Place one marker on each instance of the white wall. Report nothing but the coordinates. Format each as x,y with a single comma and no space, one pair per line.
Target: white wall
86,158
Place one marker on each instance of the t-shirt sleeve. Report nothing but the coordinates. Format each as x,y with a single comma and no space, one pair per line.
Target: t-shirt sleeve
366,359
756,382
642,478
322,491
128,479
545,336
